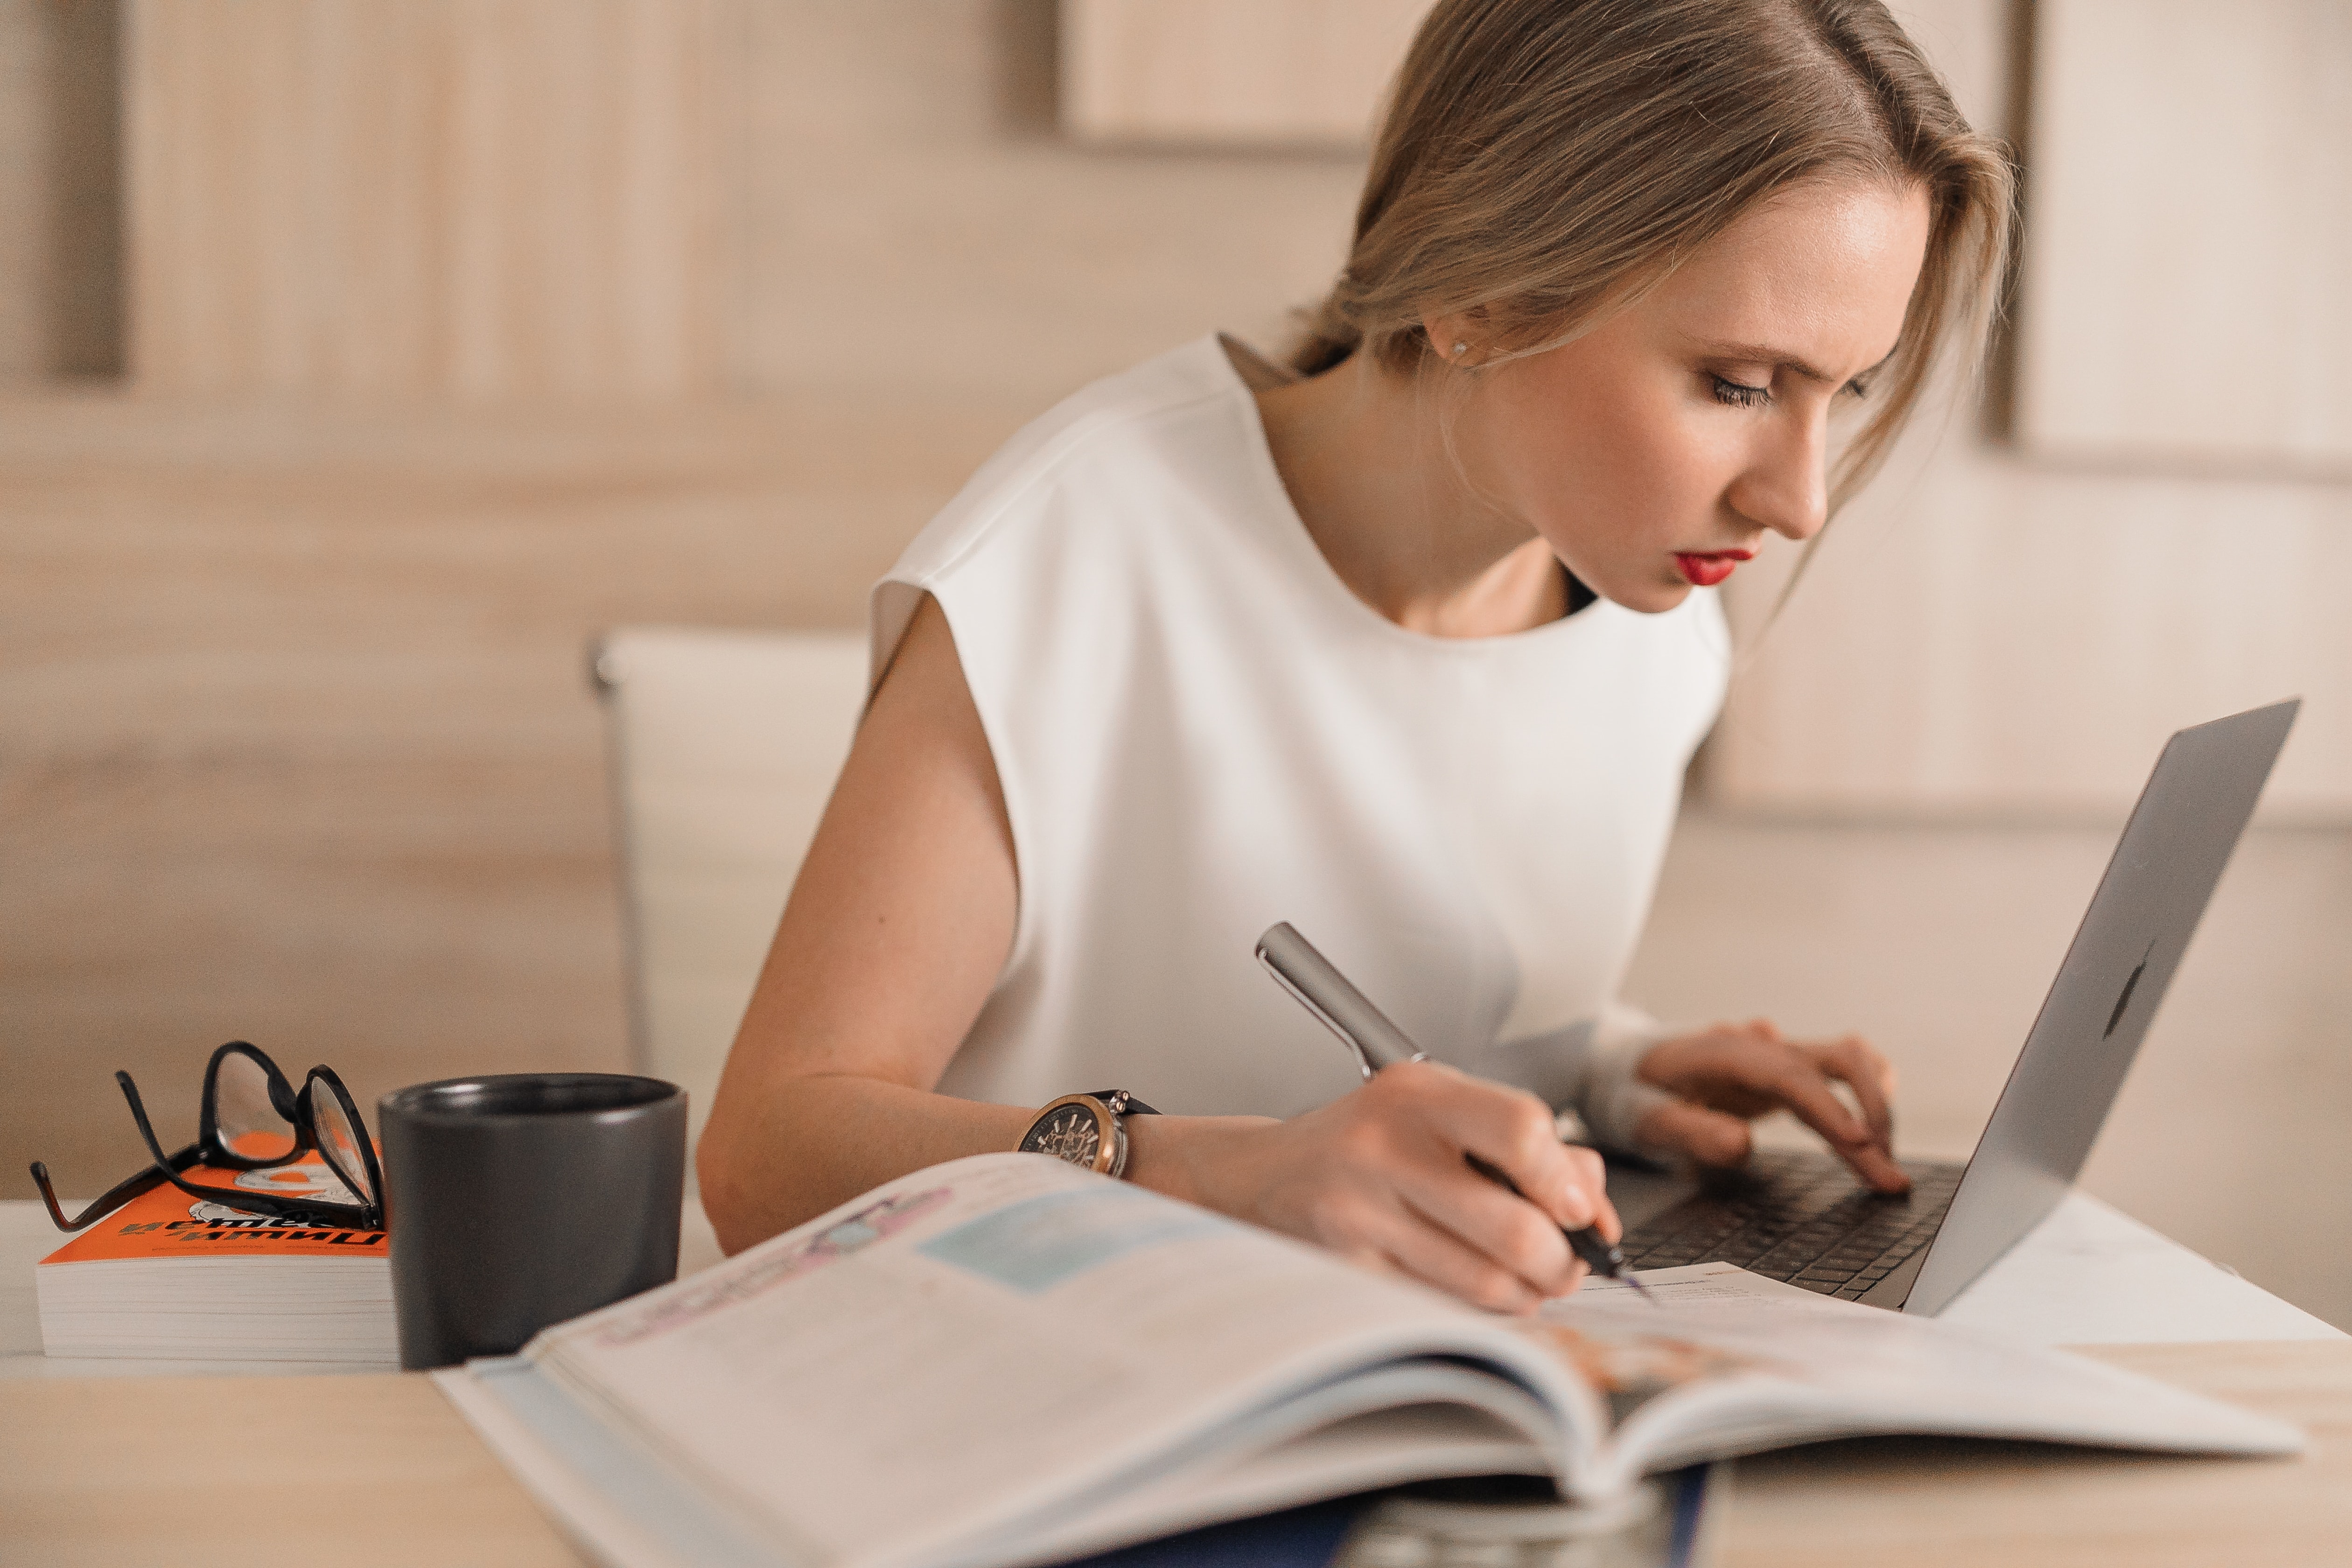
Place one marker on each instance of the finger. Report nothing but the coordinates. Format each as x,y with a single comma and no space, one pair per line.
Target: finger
1719,1068
1430,1252
1709,1137
1853,1063
1492,1220
1792,1077
1863,1069
1568,1183
1381,1233
1877,1168
1796,1081
1852,1140
1514,1131
1592,1173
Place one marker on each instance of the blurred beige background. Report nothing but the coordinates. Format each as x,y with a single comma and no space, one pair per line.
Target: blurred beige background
358,363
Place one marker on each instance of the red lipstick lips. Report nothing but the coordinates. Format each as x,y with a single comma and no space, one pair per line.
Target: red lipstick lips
1706,568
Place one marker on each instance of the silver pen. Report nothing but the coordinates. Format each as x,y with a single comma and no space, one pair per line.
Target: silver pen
1377,1042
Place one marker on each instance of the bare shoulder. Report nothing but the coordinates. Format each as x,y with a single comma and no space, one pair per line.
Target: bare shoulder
926,655
922,716
903,912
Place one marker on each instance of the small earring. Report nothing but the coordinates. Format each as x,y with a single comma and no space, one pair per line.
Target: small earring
1460,348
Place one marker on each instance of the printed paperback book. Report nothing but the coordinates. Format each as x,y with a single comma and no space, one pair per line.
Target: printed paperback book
171,1276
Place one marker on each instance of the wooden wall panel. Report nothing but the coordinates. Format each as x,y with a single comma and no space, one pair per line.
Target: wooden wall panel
2189,235
479,199
24,121
1991,634
23,191
902,213
1980,637
1229,72
298,740
299,743
60,190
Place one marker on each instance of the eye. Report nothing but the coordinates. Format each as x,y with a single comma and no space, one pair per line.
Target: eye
1738,394
1858,388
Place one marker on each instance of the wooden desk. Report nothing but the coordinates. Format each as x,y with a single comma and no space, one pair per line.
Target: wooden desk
120,1463
124,1472
1919,1502
188,1472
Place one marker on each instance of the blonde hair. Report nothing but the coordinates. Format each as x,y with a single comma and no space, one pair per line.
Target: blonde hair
1543,162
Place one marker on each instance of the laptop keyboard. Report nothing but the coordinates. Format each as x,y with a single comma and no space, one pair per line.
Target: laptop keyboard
1802,1218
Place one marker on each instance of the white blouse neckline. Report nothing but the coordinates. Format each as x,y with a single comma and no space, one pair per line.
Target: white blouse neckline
1299,540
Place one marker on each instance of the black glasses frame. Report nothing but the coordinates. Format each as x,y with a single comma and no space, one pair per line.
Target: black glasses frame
211,1148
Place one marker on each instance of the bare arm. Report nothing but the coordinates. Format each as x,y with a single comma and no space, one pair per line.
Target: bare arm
895,934
896,930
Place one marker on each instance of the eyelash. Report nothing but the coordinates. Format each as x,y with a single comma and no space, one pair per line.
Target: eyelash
1739,395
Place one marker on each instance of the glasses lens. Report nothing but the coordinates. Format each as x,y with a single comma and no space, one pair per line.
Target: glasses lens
248,1123
339,1140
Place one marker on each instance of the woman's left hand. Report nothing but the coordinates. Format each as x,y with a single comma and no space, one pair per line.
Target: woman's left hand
1723,1077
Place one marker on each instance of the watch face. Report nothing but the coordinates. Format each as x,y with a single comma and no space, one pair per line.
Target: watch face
1071,1132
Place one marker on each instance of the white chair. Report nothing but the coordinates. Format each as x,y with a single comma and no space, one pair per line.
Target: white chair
723,747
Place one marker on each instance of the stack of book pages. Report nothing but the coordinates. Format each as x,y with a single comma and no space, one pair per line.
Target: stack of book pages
168,1275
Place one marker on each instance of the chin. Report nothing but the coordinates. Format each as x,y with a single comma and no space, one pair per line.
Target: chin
1648,598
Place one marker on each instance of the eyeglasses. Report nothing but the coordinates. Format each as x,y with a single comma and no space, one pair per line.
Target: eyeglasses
253,1120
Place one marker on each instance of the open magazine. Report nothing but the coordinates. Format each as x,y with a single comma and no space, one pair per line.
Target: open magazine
1004,1360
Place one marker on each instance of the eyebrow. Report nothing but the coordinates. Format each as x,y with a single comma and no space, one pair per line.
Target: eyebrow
1767,354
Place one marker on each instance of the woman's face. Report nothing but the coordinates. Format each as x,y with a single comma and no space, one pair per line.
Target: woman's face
1654,453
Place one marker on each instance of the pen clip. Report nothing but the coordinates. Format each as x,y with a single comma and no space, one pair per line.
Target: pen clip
1364,1062
1322,990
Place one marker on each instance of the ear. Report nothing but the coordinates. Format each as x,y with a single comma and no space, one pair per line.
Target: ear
1462,327
1445,332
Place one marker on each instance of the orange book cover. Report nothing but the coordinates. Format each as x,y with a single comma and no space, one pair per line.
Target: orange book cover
168,1223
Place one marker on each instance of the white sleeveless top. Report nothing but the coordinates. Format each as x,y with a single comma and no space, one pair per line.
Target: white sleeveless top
1201,730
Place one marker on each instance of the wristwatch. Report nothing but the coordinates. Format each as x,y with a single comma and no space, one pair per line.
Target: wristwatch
1088,1130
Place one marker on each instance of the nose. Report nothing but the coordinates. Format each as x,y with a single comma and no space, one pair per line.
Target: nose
1784,485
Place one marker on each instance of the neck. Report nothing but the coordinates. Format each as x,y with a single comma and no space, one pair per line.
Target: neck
1363,455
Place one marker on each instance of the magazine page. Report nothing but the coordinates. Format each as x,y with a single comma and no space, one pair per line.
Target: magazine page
987,1344
1726,1362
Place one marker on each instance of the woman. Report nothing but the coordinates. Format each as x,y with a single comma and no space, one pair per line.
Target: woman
1408,644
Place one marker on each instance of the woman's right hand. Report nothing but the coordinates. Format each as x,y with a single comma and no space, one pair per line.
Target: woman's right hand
1380,1176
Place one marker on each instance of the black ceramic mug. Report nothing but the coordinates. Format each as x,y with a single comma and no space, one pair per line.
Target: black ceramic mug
519,1200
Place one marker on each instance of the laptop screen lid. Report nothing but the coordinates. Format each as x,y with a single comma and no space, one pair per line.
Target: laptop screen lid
2180,837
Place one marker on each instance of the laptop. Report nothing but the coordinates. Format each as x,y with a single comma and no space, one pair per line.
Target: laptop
1803,1217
